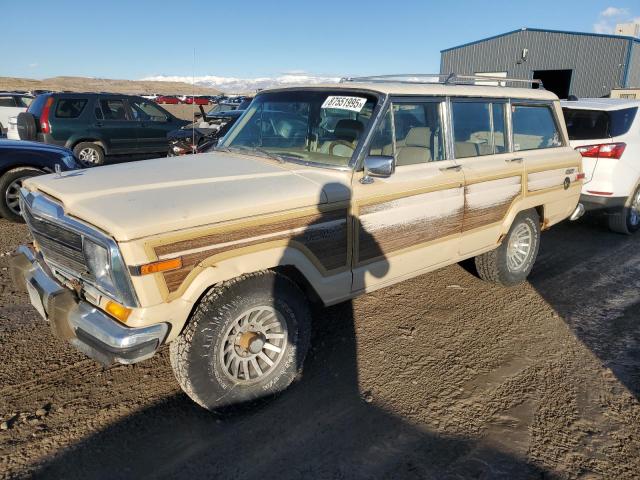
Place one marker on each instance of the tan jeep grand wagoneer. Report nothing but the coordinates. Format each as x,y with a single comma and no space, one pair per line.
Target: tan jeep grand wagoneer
323,192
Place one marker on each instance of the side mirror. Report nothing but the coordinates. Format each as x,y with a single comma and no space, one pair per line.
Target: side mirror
377,166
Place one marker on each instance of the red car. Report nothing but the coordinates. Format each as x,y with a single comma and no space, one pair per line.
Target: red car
196,100
168,99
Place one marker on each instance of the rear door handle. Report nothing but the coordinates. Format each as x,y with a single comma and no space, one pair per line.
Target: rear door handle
452,168
98,124
514,160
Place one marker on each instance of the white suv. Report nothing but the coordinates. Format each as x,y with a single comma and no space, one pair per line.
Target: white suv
606,131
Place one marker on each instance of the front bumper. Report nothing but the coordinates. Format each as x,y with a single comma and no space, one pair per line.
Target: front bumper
89,329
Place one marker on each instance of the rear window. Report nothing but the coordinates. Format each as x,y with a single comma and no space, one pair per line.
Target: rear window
37,105
70,107
595,124
7,102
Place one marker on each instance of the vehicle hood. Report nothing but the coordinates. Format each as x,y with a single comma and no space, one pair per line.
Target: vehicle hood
27,145
140,199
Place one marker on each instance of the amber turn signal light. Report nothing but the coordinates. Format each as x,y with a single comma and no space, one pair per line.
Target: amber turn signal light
161,266
118,311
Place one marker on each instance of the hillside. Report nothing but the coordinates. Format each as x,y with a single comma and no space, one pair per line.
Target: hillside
84,84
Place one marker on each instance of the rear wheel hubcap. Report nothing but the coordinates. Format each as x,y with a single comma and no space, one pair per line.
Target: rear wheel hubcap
519,247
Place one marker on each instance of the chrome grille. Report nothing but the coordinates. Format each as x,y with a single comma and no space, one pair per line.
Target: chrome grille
58,245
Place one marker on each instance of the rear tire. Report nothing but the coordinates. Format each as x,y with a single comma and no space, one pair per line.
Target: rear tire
10,184
245,340
89,154
512,261
627,219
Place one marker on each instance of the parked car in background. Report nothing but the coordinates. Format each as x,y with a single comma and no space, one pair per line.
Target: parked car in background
11,104
12,129
202,135
168,99
96,125
606,132
319,193
197,100
227,107
22,160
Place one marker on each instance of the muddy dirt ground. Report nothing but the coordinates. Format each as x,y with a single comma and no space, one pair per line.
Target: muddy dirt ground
442,376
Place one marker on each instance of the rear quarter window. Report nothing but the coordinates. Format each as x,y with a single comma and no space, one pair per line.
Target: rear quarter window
534,127
35,108
70,107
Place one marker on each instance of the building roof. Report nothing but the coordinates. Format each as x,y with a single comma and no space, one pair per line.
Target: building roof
527,29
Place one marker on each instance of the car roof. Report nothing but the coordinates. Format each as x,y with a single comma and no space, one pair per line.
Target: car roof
431,89
605,104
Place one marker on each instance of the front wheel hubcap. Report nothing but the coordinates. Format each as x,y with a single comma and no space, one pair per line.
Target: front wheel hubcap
254,345
12,195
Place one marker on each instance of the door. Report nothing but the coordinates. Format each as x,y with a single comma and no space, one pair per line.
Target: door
153,125
115,125
410,221
493,175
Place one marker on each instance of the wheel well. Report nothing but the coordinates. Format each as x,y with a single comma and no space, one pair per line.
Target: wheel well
291,272
540,211
90,140
19,166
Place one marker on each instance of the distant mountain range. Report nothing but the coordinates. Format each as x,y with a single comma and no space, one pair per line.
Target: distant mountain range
88,84
246,85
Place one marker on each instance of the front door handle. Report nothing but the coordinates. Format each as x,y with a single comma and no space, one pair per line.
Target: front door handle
98,124
453,168
514,160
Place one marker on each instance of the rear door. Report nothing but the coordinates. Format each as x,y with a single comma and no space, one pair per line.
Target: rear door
114,122
153,125
410,221
493,175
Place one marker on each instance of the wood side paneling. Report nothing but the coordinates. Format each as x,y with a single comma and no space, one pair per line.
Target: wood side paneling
325,238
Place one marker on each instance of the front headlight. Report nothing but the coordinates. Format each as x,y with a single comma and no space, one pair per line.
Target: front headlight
99,265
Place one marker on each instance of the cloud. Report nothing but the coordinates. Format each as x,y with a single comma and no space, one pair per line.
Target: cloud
241,85
610,16
614,12
33,65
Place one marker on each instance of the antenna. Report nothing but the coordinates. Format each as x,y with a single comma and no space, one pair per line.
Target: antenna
193,103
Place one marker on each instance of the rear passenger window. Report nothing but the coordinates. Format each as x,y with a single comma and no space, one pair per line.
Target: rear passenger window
418,131
113,109
478,128
70,107
534,127
7,102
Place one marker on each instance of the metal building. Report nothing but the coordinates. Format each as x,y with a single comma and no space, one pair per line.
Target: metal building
568,63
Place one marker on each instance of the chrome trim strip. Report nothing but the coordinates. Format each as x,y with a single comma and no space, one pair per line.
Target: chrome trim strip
42,207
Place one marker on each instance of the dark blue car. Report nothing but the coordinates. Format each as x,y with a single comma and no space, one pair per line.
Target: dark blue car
20,160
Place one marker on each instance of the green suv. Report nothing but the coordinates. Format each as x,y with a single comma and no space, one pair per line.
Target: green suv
95,125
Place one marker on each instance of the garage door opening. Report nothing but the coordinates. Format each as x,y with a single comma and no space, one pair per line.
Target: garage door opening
556,81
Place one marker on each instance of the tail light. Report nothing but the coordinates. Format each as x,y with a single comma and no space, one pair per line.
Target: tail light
44,116
603,150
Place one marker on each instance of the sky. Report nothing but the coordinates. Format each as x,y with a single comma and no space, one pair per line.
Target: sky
255,39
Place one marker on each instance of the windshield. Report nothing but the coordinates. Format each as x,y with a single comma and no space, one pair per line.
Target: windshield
311,125
597,124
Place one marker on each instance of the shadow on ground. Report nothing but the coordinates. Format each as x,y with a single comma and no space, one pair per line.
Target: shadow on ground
323,427
591,277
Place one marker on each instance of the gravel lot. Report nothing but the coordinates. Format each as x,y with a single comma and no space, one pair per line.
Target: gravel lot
441,376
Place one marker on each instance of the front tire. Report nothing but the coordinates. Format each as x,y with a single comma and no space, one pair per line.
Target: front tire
89,154
512,261
627,219
245,340
10,184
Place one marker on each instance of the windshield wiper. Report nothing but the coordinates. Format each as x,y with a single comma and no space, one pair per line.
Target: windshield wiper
250,150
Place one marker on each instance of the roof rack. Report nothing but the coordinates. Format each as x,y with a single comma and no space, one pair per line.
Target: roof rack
441,78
